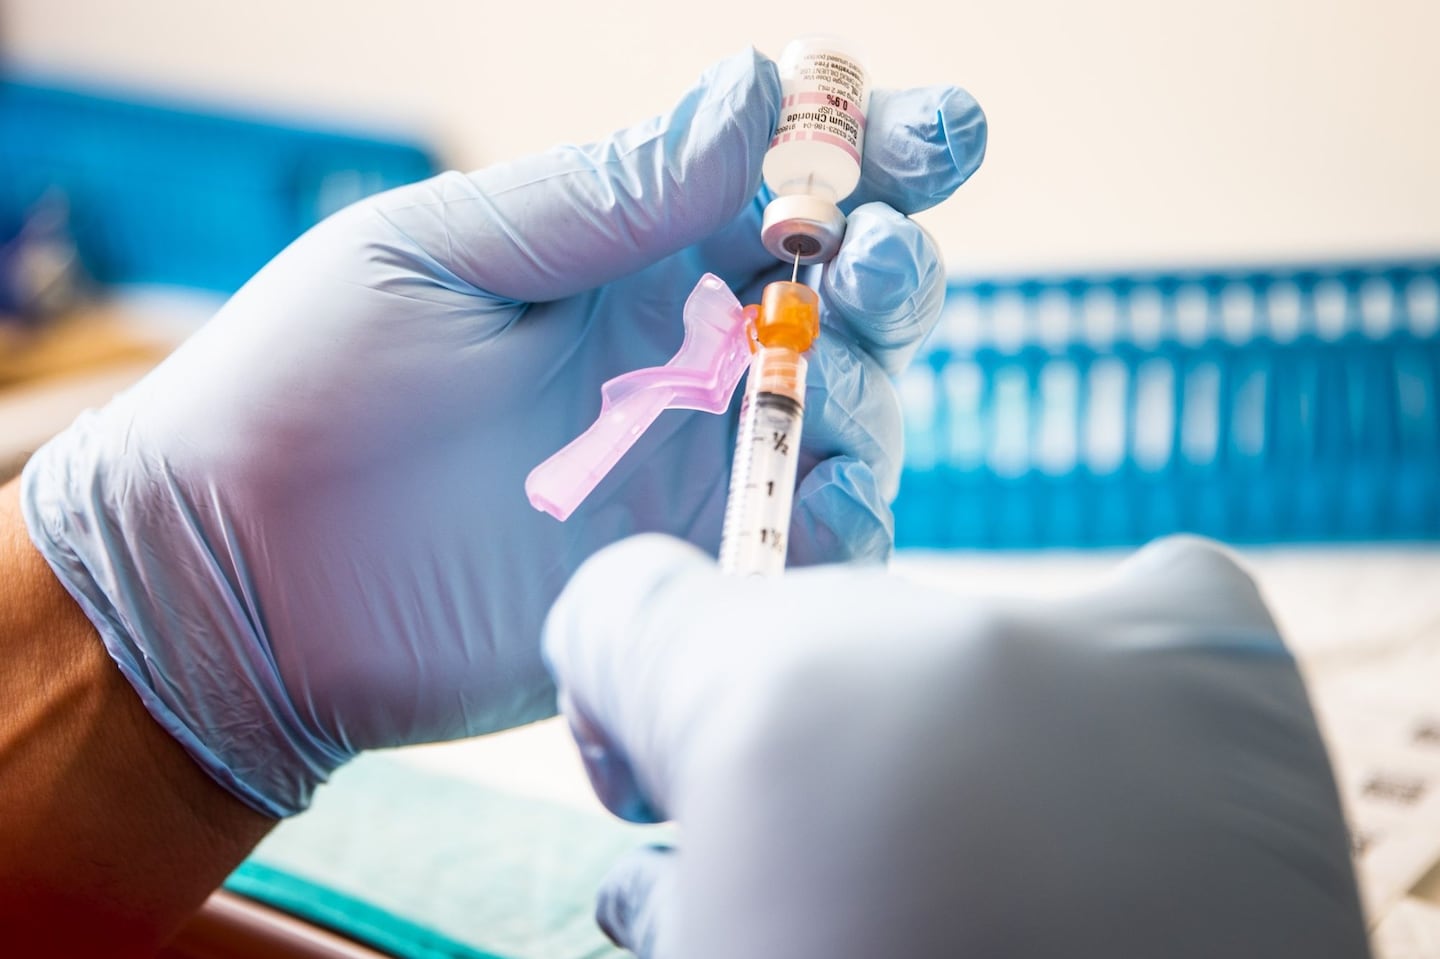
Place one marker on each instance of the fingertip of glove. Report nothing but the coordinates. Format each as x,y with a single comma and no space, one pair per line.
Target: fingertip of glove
716,137
887,281
927,142
962,123
749,83
1209,577
1192,557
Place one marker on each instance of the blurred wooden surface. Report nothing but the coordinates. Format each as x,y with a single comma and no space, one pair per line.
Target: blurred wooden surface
89,339
48,377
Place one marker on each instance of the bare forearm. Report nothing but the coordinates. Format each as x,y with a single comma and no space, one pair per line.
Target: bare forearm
110,836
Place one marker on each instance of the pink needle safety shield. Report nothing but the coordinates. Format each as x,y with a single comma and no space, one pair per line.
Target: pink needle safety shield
701,376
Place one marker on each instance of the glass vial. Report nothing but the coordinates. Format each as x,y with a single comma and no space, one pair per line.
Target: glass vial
814,160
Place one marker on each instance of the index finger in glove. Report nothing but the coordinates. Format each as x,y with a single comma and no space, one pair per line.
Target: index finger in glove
548,226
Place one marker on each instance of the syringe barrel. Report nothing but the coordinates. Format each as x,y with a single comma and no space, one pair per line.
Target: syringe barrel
756,534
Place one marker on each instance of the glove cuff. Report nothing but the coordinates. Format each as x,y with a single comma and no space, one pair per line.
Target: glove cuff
177,620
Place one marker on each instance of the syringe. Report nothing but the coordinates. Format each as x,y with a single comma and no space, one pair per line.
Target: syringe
767,448
813,163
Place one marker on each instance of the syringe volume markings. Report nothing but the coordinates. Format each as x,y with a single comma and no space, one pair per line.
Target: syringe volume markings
762,485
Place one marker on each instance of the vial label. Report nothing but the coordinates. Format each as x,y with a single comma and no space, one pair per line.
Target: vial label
824,101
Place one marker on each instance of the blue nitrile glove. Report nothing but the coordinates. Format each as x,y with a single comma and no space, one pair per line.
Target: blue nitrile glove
305,534
865,767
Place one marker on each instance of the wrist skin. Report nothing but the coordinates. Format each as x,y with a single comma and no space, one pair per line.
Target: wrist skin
110,835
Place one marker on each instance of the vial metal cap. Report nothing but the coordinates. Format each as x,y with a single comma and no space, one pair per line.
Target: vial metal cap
802,225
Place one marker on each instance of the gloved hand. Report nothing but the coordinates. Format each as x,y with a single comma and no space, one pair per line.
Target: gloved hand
305,534
864,767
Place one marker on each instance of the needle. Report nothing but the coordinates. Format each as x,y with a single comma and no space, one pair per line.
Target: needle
795,273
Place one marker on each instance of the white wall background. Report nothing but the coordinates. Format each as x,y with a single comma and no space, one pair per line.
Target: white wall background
1123,132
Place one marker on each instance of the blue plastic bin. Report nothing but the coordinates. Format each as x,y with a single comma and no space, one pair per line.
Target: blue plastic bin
1292,404
180,195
